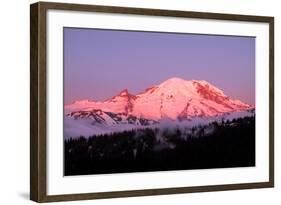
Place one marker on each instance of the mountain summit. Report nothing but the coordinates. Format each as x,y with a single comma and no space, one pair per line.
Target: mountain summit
174,98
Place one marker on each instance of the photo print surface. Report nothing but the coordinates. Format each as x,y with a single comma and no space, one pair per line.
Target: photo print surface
138,101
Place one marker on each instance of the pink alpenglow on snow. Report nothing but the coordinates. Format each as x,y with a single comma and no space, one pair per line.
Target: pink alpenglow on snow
173,99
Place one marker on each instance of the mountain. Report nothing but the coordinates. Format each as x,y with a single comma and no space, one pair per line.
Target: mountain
173,99
109,118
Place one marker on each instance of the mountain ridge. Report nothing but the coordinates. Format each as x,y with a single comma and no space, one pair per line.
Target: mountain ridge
173,99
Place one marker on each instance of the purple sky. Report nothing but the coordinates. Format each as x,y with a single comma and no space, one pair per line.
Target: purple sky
98,64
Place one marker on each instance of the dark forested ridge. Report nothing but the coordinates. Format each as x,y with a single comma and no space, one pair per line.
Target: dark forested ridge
228,144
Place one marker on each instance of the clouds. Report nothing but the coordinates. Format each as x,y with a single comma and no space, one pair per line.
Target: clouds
85,127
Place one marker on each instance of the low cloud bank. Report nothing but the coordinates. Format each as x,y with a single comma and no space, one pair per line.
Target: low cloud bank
85,127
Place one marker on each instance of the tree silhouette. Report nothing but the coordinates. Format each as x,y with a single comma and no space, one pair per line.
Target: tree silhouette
230,144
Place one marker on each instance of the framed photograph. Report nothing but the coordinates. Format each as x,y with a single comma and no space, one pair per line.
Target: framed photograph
134,102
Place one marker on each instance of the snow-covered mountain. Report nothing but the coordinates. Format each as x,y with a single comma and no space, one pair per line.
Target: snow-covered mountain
173,99
109,118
